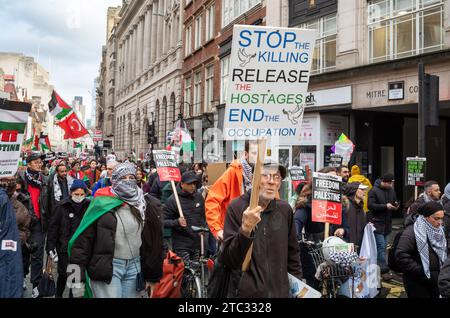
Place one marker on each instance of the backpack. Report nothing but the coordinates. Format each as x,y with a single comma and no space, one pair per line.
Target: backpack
391,253
170,284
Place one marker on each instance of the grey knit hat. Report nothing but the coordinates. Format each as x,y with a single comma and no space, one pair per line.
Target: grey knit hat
122,170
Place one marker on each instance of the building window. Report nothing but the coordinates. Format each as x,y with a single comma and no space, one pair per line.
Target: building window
197,93
402,28
209,87
224,78
210,21
231,9
188,40
325,51
187,97
198,32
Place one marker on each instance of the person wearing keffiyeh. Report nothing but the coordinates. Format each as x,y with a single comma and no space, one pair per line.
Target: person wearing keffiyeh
421,252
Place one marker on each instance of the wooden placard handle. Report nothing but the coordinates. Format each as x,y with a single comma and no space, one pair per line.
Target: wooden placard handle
177,199
254,199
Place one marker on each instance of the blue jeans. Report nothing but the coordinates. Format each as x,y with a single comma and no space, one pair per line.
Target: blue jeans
381,240
123,283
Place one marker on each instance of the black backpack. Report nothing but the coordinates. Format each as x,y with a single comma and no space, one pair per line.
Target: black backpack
391,253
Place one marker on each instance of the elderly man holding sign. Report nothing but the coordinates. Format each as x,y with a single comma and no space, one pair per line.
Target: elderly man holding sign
268,231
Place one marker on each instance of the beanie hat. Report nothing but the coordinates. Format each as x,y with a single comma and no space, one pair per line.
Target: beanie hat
122,170
78,184
447,191
430,208
351,188
355,170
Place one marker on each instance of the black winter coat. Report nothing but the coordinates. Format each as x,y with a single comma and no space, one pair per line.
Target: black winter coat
43,200
379,214
353,223
446,204
444,279
94,249
417,285
63,224
52,203
193,206
303,219
275,249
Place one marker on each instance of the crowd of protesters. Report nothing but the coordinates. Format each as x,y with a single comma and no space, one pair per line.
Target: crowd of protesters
116,220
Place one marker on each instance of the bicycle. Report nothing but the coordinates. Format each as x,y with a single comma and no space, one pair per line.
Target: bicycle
194,280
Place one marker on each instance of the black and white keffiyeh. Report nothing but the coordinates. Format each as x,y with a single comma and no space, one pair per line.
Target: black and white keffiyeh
33,178
344,258
424,233
57,192
248,175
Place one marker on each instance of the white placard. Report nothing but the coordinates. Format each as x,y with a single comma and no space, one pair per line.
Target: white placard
269,76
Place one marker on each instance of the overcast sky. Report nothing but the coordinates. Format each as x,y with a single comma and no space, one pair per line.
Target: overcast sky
66,35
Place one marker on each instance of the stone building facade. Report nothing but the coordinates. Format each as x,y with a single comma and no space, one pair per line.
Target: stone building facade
147,73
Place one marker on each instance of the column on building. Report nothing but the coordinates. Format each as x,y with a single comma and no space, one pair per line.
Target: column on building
160,36
139,46
127,59
146,46
154,32
134,50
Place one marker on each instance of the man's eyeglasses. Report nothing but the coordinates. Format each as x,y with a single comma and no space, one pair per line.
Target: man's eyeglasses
267,176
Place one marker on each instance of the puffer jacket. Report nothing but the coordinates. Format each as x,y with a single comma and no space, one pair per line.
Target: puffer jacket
23,218
93,250
193,207
275,250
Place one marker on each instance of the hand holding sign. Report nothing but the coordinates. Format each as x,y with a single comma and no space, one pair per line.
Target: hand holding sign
250,219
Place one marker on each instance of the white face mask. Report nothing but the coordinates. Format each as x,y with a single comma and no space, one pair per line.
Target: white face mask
78,199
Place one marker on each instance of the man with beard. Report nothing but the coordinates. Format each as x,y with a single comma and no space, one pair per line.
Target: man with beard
36,186
58,186
344,173
235,181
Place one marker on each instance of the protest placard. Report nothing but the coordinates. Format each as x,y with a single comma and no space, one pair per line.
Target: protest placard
415,171
166,165
326,198
269,77
13,121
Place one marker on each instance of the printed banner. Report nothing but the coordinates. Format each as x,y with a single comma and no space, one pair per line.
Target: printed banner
166,165
415,171
326,200
13,121
269,76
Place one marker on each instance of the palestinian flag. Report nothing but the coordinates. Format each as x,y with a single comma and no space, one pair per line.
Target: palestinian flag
28,143
103,202
45,143
77,145
58,107
13,121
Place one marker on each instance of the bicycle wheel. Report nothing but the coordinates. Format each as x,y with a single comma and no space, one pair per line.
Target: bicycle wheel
191,287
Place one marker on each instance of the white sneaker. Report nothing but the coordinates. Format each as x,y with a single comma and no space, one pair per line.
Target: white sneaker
35,293
24,284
